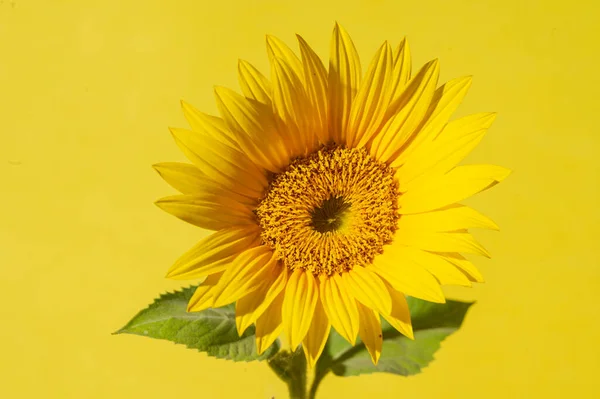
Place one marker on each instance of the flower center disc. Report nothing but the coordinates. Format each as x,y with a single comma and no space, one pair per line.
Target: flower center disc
330,211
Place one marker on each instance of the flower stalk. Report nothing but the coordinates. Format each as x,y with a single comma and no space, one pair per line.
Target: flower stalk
292,368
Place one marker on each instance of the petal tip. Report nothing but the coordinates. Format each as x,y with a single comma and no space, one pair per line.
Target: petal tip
190,307
174,131
506,172
270,39
491,118
239,326
437,297
259,346
409,333
170,273
338,29
466,81
175,271
175,276
220,91
375,358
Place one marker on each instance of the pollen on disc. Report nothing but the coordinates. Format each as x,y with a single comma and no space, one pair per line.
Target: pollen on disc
330,211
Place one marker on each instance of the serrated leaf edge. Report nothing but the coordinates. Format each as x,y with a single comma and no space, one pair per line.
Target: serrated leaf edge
266,355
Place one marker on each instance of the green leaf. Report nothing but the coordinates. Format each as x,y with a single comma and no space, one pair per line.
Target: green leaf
432,323
212,331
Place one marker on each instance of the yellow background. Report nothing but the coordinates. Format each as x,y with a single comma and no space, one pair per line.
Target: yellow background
87,91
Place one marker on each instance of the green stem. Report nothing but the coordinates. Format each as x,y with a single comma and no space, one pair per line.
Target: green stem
291,368
297,388
318,376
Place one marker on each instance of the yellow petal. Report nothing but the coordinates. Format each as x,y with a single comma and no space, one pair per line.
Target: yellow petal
208,125
400,78
254,128
443,270
221,163
368,289
214,253
406,276
442,242
299,304
183,177
370,331
278,49
399,317
315,78
269,325
443,104
412,106
291,107
456,185
188,179
343,81
340,307
315,339
245,307
372,99
254,84
203,296
401,73
450,218
245,275
463,264
457,139
207,211
250,307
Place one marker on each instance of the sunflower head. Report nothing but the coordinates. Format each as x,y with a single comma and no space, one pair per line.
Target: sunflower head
330,211
332,194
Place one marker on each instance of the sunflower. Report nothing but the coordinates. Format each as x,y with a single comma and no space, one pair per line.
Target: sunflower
332,194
